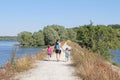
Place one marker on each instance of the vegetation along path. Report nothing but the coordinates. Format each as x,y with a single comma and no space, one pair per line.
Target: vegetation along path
50,70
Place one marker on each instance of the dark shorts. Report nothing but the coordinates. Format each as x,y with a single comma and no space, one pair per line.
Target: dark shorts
57,51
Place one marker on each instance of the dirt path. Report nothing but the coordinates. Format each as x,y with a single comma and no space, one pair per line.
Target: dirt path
50,70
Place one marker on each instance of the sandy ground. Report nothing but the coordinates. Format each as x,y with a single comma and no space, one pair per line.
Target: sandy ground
50,70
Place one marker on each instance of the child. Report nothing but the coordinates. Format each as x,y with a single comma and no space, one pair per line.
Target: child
67,55
49,52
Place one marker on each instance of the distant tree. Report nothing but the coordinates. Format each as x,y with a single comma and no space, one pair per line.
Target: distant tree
25,38
76,29
117,27
85,35
114,26
71,34
50,35
8,37
61,31
39,38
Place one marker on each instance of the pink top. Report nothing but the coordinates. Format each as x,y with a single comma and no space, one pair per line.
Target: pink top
49,50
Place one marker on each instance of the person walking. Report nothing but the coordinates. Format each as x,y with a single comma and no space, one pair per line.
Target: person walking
67,54
49,52
57,50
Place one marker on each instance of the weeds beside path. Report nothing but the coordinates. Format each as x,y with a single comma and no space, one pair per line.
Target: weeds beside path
92,66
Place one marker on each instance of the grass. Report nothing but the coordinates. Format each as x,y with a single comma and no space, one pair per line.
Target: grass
91,66
15,66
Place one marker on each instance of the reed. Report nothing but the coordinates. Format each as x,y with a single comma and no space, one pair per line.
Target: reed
91,66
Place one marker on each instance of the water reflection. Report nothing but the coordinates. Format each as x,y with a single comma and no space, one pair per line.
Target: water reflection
6,48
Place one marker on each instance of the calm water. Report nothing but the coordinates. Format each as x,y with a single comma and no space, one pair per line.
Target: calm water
6,49
117,55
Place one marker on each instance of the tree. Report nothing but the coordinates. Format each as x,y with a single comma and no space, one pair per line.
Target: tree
114,26
61,31
39,38
71,34
50,35
25,38
98,38
117,28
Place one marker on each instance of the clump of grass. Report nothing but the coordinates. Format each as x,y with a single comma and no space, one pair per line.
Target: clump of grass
91,66
23,63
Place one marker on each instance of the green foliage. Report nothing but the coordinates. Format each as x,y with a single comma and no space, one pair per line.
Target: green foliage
98,38
54,32
26,39
117,28
50,35
61,31
39,38
71,34
114,26
8,38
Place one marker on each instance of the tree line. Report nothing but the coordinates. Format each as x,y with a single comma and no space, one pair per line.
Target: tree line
48,35
98,38
8,37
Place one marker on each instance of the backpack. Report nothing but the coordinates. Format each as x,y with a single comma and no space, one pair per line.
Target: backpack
57,46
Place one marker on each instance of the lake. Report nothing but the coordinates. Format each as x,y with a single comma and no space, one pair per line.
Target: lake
116,54
6,50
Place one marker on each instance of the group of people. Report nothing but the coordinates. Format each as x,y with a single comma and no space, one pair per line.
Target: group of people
58,49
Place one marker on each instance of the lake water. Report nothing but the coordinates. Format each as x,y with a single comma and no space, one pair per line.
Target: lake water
116,54
6,50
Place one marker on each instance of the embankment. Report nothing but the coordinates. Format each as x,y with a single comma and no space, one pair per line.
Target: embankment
91,66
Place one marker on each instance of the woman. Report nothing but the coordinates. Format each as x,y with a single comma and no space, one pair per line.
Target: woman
57,49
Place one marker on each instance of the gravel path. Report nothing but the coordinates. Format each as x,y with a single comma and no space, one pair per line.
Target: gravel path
50,70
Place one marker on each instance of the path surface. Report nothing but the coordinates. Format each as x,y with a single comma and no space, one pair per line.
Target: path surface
50,70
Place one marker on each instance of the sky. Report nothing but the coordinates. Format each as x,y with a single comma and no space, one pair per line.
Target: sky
33,15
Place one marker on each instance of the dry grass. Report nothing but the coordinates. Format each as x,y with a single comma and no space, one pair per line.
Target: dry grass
23,63
91,66
19,65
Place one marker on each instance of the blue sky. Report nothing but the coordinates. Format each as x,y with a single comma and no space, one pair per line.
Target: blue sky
33,15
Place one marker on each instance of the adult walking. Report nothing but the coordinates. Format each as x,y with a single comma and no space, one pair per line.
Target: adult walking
57,49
